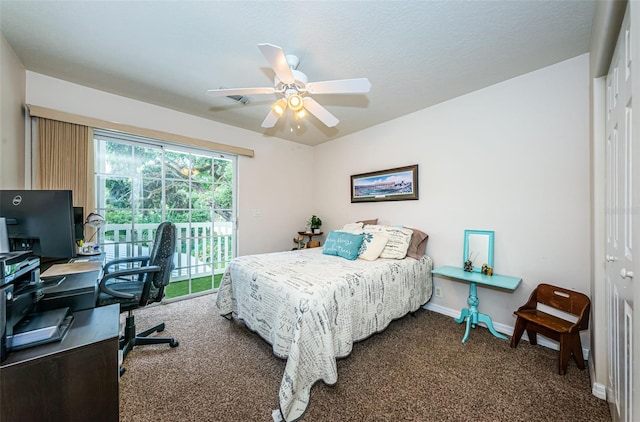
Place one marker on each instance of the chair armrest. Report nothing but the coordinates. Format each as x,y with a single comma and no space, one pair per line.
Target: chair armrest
143,260
134,271
532,303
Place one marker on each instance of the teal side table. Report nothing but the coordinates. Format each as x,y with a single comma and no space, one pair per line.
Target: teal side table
471,314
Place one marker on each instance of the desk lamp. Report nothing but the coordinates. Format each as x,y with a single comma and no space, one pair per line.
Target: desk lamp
95,221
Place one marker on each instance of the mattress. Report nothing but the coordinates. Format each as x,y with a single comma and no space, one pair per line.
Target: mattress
312,307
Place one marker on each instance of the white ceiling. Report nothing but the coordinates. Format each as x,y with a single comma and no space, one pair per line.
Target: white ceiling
415,53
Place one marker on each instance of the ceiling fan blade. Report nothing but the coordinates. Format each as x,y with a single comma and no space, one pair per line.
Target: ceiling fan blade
271,120
341,86
276,58
225,92
320,112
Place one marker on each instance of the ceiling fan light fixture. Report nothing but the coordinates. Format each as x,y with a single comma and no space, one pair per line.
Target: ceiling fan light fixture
279,107
300,113
295,102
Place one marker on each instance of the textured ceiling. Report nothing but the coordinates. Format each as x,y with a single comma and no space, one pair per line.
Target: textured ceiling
415,53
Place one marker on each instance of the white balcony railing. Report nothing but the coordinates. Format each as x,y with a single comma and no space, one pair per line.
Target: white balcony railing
200,248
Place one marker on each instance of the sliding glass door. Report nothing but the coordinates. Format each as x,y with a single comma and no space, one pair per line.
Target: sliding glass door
142,182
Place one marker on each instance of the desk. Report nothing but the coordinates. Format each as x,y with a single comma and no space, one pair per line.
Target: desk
471,314
77,291
75,379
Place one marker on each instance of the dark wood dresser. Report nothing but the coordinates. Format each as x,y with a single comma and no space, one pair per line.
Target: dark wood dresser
75,379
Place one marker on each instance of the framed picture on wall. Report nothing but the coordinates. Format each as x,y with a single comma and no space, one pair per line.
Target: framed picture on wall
396,184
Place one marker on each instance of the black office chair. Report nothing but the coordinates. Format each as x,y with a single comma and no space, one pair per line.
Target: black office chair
139,286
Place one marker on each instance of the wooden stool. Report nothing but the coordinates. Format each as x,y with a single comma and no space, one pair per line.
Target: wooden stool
566,332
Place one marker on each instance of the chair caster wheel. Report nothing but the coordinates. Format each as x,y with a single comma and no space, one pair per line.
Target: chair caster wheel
174,343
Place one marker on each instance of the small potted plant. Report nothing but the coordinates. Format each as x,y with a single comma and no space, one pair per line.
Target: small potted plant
314,224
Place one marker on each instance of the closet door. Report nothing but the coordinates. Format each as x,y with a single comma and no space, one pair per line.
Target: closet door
620,225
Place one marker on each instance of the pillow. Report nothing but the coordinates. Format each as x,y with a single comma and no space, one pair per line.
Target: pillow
399,240
418,244
355,228
343,244
372,246
368,222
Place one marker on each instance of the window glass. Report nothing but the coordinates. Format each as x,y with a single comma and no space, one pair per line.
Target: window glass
142,182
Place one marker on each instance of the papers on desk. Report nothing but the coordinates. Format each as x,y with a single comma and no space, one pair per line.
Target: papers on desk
71,268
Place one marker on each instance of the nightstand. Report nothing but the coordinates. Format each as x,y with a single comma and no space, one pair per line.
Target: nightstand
310,243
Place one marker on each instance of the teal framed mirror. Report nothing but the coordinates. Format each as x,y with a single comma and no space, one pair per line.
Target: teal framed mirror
478,248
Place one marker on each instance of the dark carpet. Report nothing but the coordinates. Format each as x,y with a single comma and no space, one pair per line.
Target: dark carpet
416,370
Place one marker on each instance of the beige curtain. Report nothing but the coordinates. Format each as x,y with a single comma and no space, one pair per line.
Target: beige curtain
64,160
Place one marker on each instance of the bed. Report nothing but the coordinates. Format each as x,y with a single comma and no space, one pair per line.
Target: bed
311,307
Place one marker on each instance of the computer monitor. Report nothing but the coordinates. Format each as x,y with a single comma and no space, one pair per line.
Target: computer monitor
41,221
78,223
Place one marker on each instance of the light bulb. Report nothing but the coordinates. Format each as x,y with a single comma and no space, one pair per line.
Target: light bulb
295,102
279,107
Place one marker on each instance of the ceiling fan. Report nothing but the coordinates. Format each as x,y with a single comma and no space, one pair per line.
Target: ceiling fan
295,89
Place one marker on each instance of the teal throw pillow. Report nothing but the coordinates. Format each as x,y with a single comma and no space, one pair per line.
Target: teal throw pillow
343,244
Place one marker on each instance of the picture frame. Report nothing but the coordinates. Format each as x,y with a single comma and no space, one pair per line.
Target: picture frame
397,184
478,249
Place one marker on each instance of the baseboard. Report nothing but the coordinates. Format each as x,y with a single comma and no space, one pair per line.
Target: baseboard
442,310
502,328
597,389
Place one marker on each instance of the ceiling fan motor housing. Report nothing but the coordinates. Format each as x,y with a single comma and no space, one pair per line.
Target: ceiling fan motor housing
300,81
292,61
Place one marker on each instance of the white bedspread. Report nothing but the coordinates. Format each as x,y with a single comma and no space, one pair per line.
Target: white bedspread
312,307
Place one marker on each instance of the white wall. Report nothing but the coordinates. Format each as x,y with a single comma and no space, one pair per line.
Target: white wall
513,158
12,92
274,182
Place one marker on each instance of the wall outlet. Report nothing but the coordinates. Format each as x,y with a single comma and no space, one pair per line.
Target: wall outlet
438,291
